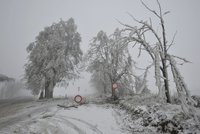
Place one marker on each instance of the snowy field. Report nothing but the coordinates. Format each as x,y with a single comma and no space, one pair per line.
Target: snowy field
45,117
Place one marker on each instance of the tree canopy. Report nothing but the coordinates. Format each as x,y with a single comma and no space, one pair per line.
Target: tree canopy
53,57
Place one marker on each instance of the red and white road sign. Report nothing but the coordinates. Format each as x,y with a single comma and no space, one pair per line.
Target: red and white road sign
78,99
114,85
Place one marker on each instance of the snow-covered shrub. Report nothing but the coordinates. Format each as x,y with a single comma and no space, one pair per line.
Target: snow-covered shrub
148,114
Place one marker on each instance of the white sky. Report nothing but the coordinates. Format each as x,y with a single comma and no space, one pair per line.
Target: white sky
22,20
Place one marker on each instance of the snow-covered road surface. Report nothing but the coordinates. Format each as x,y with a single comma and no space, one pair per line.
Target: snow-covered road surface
46,118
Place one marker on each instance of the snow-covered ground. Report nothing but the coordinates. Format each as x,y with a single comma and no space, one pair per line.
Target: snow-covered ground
135,114
45,117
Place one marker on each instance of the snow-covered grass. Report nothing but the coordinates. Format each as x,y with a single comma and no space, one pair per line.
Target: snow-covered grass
151,116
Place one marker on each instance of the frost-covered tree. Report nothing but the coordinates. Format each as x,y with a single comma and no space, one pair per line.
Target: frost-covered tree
53,57
157,50
162,59
110,61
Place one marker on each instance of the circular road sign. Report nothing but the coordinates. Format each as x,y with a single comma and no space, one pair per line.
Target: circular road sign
78,99
114,85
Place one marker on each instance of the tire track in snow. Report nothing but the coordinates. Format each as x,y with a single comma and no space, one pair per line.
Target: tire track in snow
92,127
76,128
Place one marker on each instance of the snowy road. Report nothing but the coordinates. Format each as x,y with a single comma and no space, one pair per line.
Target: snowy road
32,117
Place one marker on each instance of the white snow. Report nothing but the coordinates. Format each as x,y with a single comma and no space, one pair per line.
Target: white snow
136,115
51,119
150,117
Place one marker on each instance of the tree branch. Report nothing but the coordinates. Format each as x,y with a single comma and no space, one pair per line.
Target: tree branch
180,58
172,42
154,12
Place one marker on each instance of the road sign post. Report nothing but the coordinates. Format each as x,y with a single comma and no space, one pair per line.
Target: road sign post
114,86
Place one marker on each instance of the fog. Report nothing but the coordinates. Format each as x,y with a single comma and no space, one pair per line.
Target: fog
22,20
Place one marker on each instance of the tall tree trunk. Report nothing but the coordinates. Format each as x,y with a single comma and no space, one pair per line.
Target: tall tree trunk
41,95
46,95
104,88
166,80
51,94
49,86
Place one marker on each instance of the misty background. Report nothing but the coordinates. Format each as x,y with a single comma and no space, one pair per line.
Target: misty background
22,20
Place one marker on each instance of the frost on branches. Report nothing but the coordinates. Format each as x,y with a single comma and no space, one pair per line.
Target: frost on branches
53,57
141,83
158,76
110,62
158,51
187,103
